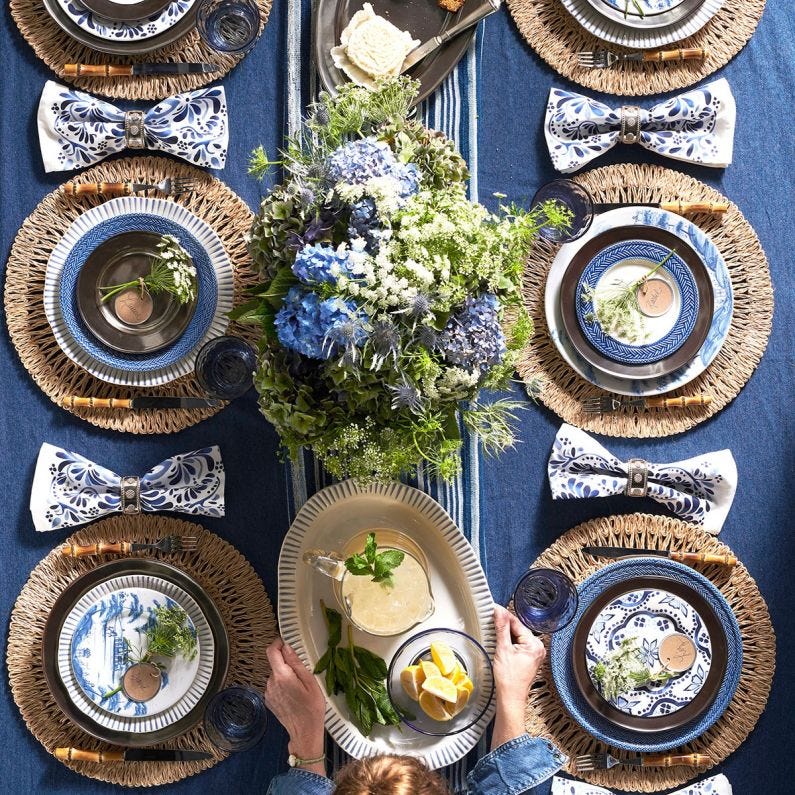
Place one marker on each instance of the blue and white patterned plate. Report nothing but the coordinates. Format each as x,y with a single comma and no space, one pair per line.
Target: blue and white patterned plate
626,262
137,30
158,371
648,7
90,659
648,616
721,288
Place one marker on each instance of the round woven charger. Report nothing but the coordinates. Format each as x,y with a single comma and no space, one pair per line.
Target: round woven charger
217,566
557,37
555,383
546,714
56,47
51,368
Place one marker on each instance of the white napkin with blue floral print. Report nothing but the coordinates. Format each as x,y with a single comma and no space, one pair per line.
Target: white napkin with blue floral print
699,489
716,785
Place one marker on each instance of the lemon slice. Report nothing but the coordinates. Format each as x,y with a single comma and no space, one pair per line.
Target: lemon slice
441,687
458,676
430,669
412,678
461,701
444,658
433,707
466,684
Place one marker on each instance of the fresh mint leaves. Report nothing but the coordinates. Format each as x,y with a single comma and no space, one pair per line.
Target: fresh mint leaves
379,565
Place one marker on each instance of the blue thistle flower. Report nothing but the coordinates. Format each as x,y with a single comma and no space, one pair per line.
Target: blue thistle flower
385,340
406,396
427,337
473,338
418,308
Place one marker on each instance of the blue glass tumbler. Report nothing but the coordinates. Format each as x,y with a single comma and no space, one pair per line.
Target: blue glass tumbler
575,198
545,600
225,367
229,26
236,718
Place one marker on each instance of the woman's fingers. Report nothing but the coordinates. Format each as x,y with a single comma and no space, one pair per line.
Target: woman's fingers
275,656
294,661
502,626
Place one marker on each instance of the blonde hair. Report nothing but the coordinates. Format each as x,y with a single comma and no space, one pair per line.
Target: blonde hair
389,775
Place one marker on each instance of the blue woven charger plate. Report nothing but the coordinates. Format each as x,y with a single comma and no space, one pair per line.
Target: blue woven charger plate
560,655
207,293
676,272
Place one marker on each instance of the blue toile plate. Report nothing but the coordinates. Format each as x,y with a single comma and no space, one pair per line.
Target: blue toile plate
625,262
648,615
107,638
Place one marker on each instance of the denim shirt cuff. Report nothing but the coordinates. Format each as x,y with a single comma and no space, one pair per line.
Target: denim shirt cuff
300,782
516,766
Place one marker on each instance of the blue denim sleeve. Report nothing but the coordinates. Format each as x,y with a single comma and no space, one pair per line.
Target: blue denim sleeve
515,767
300,782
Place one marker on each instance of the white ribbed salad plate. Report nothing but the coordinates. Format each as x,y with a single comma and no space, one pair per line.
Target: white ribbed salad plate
721,286
639,38
163,710
460,591
137,205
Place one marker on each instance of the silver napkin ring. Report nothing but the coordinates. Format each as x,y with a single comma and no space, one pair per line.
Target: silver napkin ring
630,124
130,494
637,477
134,129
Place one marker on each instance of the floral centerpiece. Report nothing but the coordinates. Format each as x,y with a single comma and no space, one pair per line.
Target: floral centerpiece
386,292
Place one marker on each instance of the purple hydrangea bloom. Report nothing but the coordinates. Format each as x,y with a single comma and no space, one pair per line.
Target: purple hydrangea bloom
319,328
321,263
473,338
365,158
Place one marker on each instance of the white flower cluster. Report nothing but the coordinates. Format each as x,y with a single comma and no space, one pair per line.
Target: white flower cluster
181,267
373,280
384,191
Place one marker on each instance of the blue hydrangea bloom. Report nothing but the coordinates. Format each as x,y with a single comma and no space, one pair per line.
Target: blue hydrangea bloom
358,161
319,328
320,263
472,338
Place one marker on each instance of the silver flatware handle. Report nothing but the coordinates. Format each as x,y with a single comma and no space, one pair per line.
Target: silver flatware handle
470,19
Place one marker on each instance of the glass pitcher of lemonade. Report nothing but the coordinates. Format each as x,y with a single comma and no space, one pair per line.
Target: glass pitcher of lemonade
379,608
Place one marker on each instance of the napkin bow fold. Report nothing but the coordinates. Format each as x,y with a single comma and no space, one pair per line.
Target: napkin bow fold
70,490
697,127
78,130
700,489
715,785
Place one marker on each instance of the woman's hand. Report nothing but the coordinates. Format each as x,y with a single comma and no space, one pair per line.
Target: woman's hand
516,662
295,698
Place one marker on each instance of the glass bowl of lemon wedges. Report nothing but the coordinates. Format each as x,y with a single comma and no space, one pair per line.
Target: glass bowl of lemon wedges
441,682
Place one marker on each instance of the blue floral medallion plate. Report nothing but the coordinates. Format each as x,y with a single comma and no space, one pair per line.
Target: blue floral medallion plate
110,636
93,653
624,263
648,616
133,30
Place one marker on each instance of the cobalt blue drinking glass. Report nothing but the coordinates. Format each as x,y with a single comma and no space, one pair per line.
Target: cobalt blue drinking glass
545,600
236,718
228,25
576,199
225,367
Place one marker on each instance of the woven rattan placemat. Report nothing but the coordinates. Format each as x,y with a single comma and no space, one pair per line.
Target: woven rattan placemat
556,36
561,389
53,371
56,47
546,714
217,566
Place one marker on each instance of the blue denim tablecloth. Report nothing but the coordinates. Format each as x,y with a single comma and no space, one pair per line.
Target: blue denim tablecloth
494,105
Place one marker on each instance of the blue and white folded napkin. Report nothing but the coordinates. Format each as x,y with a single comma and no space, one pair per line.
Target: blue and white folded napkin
700,489
716,785
78,130
697,127
69,490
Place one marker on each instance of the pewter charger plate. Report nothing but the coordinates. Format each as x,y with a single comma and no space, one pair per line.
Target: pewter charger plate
460,591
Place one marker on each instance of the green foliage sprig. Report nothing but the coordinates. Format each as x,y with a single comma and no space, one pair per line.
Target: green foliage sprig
357,673
378,564
624,670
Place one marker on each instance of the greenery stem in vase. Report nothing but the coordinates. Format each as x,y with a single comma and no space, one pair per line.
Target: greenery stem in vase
172,271
616,307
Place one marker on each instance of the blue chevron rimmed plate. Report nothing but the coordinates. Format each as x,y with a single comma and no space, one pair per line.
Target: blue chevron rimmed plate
624,263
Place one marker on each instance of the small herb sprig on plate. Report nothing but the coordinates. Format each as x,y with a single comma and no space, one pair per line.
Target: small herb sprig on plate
167,635
624,670
172,271
359,674
637,5
378,564
616,306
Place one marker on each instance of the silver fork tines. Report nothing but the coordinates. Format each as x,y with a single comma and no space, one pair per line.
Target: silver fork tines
171,186
586,762
601,404
173,543
596,59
